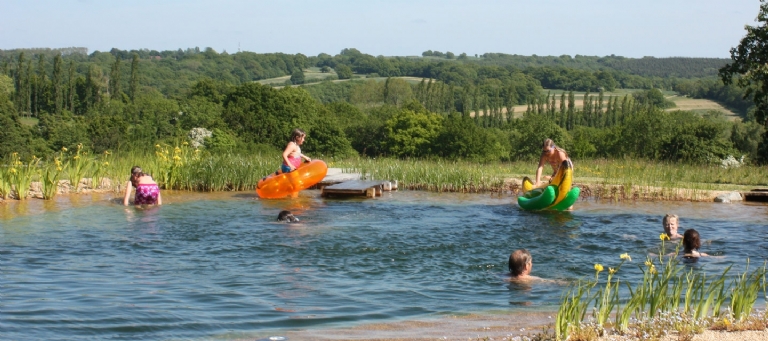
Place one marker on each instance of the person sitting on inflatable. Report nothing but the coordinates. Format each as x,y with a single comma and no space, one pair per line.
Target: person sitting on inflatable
292,154
553,155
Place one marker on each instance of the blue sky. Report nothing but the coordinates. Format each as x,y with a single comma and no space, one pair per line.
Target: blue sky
689,28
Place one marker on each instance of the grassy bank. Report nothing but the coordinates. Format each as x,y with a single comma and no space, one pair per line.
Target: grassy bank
184,168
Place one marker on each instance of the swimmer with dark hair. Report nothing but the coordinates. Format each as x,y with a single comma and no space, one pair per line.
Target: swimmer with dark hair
286,217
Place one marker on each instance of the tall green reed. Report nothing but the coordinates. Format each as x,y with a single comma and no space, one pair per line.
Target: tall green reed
50,174
21,175
745,290
78,165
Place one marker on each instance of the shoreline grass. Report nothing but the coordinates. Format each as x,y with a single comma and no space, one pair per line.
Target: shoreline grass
183,168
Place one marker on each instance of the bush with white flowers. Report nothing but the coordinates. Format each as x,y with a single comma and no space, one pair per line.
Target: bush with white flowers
197,137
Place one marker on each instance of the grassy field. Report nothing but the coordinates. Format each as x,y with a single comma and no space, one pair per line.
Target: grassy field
697,105
701,106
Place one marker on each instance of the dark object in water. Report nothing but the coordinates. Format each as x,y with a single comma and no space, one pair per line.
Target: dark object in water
287,216
757,194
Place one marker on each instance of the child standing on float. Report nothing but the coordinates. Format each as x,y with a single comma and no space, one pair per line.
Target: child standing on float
292,154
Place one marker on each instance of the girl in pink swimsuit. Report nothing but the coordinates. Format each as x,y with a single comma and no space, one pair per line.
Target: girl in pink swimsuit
292,154
147,191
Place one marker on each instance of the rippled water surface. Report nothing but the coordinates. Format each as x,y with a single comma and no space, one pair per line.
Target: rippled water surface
218,266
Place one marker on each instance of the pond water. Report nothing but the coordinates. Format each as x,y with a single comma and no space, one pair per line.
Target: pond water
218,266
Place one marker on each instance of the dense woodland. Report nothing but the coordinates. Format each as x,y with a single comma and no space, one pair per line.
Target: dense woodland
462,107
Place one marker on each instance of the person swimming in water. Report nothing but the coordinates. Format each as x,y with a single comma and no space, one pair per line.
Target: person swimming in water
691,244
671,224
552,155
520,265
286,217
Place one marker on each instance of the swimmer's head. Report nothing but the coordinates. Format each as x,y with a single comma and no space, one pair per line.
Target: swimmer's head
286,216
520,261
691,240
671,224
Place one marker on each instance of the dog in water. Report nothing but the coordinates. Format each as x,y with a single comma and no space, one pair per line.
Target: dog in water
287,217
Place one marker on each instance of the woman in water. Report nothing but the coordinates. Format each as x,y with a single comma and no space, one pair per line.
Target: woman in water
671,223
147,191
292,154
691,244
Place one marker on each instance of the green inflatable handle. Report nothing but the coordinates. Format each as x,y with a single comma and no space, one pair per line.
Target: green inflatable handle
538,202
569,200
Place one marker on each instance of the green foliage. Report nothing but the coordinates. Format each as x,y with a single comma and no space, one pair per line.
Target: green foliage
411,134
749,64
220,141
653,97
343,71
461,138
297,77
532,130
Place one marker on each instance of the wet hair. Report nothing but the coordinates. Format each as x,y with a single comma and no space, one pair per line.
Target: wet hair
136,173
691,240
286,216
518,260
548,143
669,216
296,134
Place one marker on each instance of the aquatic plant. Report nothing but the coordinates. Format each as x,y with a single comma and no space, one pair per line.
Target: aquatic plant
78,165
745,290
50,175
20,175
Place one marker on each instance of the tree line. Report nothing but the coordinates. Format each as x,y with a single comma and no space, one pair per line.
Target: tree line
128,101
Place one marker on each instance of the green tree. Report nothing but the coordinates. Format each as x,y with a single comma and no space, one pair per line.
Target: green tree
750,62
58,80
71,80
114,81
343,71
297,77
412,134
134,84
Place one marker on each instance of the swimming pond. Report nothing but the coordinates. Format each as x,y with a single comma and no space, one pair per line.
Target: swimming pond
218,266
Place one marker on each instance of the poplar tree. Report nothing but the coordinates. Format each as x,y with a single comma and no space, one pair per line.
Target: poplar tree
29,87
71,81
39,80
21,86
57,82
571,106
134,86
114,80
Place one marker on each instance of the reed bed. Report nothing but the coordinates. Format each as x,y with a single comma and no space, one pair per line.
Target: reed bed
181,167
666,299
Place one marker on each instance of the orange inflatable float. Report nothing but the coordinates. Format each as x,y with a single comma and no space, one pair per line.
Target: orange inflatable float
284,184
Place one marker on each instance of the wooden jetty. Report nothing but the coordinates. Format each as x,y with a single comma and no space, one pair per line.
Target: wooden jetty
367,188
758,194
339,184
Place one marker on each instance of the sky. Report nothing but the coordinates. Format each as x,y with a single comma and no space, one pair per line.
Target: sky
637,28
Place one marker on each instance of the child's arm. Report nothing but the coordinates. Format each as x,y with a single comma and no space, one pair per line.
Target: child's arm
306,158
287,152
127,193
538,171
159,199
